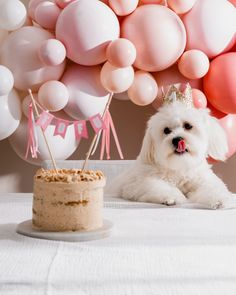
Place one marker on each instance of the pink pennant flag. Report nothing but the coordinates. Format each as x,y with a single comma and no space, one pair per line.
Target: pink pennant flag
44,120
80,129
97,123
61,128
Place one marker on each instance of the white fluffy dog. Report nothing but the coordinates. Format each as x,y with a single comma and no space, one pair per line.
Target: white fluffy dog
172,166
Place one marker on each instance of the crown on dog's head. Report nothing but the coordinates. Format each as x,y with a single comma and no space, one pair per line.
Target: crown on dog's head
174,94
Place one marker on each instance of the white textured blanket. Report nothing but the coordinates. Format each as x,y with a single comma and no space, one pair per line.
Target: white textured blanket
153,250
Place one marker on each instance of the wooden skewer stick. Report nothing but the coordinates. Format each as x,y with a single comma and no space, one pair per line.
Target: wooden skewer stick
96,135
44,136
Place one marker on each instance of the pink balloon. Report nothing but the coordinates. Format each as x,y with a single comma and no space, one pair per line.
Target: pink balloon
86,37
123,7
121,53
53,96
52,52
233,2
214,112
87,97
158,35
181,6
199,99
63,3
151,1
19,54
32,6
46,14
210,26
193,64
219,83
173,76
144,89
115,79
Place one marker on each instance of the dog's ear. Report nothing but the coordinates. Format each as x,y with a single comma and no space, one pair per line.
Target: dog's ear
147,154
218,144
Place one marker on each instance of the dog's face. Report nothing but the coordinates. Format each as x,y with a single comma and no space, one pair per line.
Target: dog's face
180,138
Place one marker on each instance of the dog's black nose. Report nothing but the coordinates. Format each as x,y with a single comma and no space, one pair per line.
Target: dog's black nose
176,140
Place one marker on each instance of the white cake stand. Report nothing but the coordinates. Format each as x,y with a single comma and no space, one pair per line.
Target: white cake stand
27,229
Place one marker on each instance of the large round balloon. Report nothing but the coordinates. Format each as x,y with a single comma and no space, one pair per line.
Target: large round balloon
10,114
86,28
61,148
219,83
158,35
210,26
87,96
20,54
7,80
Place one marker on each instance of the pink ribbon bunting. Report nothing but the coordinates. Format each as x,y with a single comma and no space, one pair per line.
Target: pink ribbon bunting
61,128
32,144
44,120
80,129
97,123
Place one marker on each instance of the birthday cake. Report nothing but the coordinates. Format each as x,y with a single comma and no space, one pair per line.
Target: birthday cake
68,200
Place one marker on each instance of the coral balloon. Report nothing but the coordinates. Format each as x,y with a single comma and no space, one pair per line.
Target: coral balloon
210,26
214,112
19,53
158,35
12,14
87,97
219,83
10,114
86,37
7,80
46,14
151,1
115,79
121,53
52,52
63,3
193,64
61,148
172,76
53,96
181,6
144,89
123,7
199,99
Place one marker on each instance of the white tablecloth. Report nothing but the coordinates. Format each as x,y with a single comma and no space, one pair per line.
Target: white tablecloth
153,250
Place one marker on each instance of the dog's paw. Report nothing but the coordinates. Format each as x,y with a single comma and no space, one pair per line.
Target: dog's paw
175,198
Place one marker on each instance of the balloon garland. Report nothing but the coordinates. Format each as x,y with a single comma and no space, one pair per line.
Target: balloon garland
73,53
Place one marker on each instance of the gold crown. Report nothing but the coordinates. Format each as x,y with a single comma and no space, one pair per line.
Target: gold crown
175,95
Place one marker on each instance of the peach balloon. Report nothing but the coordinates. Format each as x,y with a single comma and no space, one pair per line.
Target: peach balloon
172,76
219,83
181,6
32,6
19,53
144,88
63,3
53,96
193,64
52,52
199,99
87,96
46,14
158,35
123,7
86,37
115,79
121,53
210,26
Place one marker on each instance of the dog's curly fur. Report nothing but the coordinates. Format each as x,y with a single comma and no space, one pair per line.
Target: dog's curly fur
162,175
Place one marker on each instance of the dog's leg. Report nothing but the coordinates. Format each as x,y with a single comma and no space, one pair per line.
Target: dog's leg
153,190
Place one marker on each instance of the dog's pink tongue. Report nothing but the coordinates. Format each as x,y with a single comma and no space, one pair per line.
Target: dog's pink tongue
181,146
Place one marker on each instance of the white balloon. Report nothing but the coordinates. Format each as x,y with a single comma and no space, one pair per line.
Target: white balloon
10,114
61,148
12,14
87,97
6,80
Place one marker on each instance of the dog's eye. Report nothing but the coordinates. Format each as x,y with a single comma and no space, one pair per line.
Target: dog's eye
187,126
167,130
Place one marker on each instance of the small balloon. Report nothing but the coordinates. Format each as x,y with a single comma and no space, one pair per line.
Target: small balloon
32,6
46,14
7,80
63,3
121,53
144,89
52,52
193,64
115,79
53,96
12,14
181,6
199,99
123,7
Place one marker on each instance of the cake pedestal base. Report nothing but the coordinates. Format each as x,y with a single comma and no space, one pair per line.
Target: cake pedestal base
27,229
